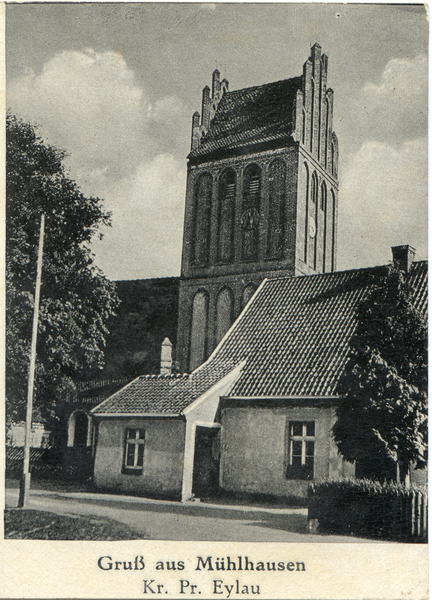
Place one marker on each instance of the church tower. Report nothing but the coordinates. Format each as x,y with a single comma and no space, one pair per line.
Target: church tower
261,199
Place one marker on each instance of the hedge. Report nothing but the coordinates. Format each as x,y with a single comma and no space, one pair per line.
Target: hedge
368,508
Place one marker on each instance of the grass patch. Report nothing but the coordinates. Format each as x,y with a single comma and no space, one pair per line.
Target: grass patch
22,524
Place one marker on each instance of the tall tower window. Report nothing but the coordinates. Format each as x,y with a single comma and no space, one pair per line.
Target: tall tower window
198,342
323,203
304,126
323,219
248,292
275,232
224,313
313,220
333,239
202,204
307,210
227,193
250,212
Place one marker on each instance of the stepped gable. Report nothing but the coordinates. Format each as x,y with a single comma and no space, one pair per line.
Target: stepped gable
251,116
293,336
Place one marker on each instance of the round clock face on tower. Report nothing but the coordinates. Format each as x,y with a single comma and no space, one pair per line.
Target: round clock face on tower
250,219
312,227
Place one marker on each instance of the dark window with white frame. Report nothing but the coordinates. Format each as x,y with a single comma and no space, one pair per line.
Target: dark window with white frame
301,450
227,195
250,219
134,450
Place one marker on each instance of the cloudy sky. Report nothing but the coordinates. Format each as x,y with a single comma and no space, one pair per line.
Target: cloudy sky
116,85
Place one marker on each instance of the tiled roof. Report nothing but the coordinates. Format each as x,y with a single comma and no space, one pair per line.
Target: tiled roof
250,116
159,394
293,336
296,332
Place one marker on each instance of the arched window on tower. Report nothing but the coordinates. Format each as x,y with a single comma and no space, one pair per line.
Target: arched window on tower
250,212
314,194
199,327
307,210
227,194
313,220
323,201
304,126
224,313
248,292
276,220
333,237
202,214
323,219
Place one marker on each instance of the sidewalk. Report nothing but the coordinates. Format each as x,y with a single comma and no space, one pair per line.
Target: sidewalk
168,520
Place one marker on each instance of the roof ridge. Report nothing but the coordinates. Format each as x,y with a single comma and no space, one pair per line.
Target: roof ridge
147,279
263,85
329,274
163,376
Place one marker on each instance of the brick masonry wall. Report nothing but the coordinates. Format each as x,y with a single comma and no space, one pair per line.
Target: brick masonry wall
302,253
239,273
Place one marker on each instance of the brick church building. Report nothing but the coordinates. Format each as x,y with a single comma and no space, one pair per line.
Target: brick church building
248,401
261,199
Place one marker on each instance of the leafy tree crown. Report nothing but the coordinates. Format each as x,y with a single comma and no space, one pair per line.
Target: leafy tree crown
76,298
383,412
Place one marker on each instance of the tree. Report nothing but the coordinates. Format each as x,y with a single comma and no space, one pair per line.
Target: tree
382,418
76,298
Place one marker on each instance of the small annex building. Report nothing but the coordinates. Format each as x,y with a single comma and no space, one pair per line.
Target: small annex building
256,417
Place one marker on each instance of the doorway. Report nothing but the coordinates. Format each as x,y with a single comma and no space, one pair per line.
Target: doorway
205,480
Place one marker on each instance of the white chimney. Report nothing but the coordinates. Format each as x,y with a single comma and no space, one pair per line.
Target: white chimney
166,357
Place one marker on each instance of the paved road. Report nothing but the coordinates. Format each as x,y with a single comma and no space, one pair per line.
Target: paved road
165,520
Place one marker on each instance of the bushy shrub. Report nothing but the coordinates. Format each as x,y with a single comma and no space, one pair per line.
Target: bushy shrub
363,507
73,464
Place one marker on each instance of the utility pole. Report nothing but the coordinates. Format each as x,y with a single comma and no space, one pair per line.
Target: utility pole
26,475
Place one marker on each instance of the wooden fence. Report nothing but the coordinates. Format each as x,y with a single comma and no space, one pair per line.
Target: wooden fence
418,513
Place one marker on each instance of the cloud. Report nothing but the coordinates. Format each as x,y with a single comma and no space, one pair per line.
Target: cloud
169,122
147,213
87,103
120,148
166,110
383,203
397,106
393,109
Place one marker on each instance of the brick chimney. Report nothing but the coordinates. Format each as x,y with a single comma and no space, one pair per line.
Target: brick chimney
403,257
166,357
